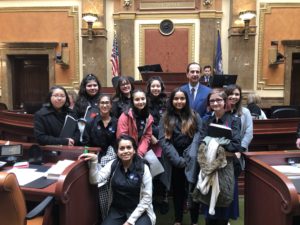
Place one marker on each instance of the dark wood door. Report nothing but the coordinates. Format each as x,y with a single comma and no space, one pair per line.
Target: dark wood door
295,80
30,80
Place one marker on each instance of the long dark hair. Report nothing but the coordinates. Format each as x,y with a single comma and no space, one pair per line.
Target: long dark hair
123,80
84,82
83,98
145,111
161,98
187,115
229,91
51,90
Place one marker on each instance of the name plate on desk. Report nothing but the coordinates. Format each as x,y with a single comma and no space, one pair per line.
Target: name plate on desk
11,150
10,153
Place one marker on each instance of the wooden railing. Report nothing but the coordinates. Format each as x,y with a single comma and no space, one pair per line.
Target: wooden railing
271,134
16,126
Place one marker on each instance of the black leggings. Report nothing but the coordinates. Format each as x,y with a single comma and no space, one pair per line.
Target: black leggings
180,192
117,217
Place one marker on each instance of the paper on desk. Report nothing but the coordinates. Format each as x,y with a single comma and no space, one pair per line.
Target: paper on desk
288,169
56,170
26,175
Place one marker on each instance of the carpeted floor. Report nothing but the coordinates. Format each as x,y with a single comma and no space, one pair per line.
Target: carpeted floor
167,219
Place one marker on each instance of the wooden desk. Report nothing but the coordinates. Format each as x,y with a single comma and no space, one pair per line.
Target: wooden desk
166,76
16,126
274,134
75,199
62,152
270,197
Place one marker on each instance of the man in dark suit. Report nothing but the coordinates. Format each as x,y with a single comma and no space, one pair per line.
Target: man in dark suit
197,92
206,78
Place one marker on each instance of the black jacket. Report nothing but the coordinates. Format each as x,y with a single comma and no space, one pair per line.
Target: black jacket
48,124
81,105
157,107
205,82
96,135
119,106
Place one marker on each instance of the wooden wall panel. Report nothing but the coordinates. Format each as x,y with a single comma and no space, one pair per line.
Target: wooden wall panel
169,51
279,22
44,25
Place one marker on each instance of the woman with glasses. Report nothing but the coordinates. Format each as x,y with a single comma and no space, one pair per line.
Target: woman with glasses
216,102
121,100
101,132
180,137
49,120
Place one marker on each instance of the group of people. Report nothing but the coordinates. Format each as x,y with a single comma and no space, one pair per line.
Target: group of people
130,123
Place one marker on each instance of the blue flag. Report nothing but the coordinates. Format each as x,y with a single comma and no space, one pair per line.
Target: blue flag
218,59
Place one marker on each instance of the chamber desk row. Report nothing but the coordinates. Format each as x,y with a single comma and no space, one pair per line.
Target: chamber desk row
76,201
270,196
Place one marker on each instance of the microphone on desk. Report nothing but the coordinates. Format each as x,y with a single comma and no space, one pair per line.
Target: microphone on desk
35,155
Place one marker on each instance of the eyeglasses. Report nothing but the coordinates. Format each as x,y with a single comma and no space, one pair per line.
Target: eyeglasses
58,96
218,100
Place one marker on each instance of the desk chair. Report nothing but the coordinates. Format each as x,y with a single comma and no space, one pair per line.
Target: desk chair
12,203
285,113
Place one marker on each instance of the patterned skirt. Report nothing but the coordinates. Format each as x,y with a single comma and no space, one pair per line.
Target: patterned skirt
104,192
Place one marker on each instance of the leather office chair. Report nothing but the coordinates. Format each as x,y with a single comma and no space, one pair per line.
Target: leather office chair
285,113
12,203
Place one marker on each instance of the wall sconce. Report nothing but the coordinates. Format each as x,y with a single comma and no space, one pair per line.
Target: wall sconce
90,18
275,57
63,57
246,16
